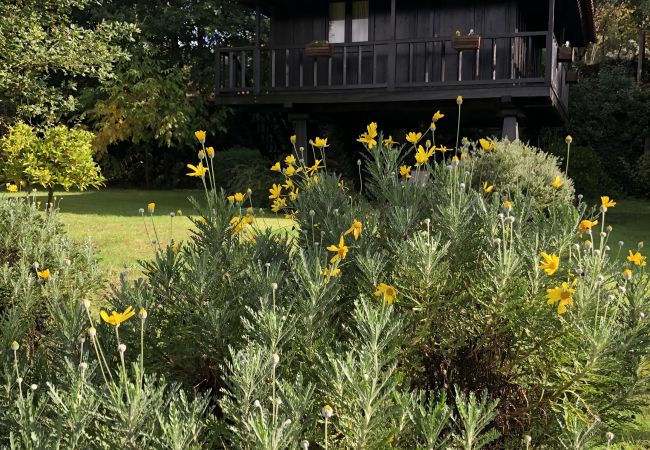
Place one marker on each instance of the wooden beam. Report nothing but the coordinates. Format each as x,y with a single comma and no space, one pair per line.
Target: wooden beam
392,48
549,41
257,65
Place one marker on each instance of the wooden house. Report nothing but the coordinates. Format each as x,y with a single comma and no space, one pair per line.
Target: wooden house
507,58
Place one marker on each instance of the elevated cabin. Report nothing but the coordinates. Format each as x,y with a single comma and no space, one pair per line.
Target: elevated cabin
403,56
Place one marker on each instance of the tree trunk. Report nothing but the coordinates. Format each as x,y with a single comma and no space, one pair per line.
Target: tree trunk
639,67
50,199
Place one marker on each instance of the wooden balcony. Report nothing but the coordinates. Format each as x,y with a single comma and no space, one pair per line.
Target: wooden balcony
506,65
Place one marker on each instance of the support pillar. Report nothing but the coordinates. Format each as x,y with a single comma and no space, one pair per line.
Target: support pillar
299,122
510,128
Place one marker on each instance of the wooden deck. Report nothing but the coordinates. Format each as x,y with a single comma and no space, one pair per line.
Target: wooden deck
515,65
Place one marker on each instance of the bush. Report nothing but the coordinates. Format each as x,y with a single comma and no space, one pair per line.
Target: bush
60,157
379,307
51,395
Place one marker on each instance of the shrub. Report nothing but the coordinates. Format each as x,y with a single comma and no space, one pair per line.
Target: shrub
60,157
51,394
380,306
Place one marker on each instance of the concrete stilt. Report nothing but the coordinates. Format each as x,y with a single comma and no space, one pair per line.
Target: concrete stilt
510,128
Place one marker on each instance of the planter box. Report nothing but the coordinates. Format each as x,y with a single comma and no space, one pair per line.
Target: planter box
571,76
316,50
466,43
565,54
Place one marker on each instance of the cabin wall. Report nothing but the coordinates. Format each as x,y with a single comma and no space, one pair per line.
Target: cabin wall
416,62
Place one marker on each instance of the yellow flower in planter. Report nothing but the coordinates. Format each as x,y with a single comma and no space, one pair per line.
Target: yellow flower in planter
557,182
341,251
586,225
293,195
636,258
437,116
413,137
275,191
486,145
44,275
507,205
627,274
288,185
116,318
442,149
405,171
238,197
200,135
550,263
487,187
12,187
387,291
562,295
355,229
197,171
422,156
151,207
318,142
293,139
276,167
210,151
606,202
290,160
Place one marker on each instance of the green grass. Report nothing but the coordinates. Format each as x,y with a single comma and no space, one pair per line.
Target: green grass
110,219
630,219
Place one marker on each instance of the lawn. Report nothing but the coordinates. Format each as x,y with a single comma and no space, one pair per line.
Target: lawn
110,219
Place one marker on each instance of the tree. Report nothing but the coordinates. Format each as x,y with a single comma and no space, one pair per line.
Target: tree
59,157
47,55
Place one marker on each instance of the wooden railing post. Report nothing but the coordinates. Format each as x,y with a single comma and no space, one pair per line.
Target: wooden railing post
392,49
549,41
257,64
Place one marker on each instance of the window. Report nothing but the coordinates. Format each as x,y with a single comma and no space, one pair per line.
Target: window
360,16
353,14
337,22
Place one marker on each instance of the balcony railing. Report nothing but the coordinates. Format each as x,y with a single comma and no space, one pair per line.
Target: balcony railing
516,58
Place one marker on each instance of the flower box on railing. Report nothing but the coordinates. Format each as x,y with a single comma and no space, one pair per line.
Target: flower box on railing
461,43
571,76
316,49
565,54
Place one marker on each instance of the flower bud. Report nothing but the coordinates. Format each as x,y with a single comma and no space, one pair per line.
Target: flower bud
427,221
143,314
603,209
92,332
275,359
15,346
359,162
19,380
597,252
312,213
609,436
528,439
511,219
86,304
580,196
497,241
640,245
641,316
609,228
600,278
327,411
141,210
621,289
83,366
304,444
286,423
462,185
274,286
257,404
33,386
621,243
500,216
121,348
603,234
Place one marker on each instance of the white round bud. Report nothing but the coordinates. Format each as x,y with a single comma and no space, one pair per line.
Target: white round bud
603,234
609,228
274,286
640,245
312,213
497,241
580,196
33,386
528,439
86,304
511,219
427,221
462,185
621,243
600,278
257,404
286,423
500,216
92,331
19,380
359,162
610,298
275,359
141,210
641,316
83,366
597,252
327,411
304,444
121,348
603,209
609,436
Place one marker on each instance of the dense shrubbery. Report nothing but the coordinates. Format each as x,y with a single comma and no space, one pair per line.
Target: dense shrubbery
463,301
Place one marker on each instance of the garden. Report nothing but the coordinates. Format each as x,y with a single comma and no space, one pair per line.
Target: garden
167,283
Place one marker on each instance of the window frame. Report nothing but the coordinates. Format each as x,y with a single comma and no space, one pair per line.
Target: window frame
348,22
